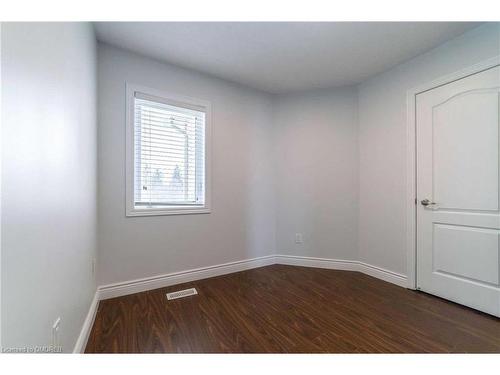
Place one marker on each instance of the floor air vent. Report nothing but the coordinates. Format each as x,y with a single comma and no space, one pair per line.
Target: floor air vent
182,293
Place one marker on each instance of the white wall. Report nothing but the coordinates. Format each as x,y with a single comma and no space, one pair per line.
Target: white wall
382,142
241,225
316,169
48,180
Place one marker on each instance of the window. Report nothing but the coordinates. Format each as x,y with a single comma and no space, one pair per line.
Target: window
167,153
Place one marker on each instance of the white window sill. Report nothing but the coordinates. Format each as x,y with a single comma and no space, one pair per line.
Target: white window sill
160,211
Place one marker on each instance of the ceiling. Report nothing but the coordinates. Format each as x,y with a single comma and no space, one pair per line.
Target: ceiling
282,57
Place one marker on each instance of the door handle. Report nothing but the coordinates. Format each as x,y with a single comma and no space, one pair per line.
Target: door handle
427,202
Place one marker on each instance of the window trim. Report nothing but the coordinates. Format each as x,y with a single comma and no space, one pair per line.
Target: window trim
176,100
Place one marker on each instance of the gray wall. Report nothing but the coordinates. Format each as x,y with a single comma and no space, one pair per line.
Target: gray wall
48,180
241,225
316,169
382,141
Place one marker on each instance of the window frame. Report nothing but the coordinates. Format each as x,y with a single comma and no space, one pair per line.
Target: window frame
175,100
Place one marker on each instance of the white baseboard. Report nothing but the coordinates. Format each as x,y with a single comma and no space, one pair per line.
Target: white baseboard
161,281
346,265
383,274
81,342
333,264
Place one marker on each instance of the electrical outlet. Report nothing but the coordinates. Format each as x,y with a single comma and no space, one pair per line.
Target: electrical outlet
298,238
55,332
93,266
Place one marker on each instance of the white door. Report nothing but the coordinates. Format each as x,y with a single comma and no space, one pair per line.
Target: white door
458,217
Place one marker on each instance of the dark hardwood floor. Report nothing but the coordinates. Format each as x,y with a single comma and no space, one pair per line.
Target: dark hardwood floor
285,309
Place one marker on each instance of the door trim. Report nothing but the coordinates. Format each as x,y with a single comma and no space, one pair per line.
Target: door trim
411,159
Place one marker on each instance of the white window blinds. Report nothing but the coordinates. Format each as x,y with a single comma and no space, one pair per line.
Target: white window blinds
169,154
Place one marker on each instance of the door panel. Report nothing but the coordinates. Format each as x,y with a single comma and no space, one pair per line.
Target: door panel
468,252
465,147
458,232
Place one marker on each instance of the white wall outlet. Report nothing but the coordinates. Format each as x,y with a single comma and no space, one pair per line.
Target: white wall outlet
55,332
298,238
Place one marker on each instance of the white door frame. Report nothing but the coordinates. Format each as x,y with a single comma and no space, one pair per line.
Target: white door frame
411,160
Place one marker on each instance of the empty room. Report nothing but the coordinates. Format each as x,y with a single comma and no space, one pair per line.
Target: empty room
250,187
